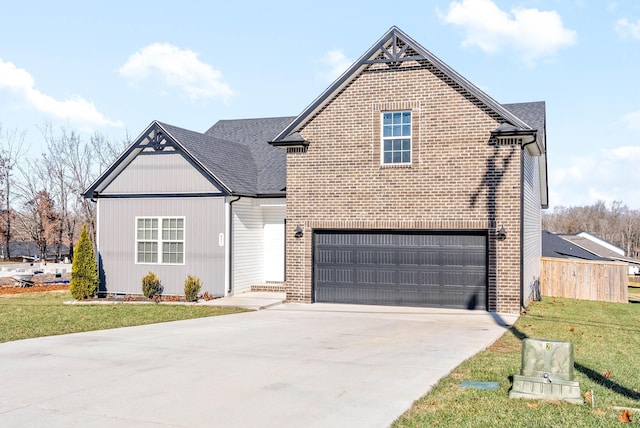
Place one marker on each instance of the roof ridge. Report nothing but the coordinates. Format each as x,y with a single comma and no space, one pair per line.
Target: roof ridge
370,56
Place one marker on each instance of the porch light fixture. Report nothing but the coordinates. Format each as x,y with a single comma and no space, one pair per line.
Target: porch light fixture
501,234
298,232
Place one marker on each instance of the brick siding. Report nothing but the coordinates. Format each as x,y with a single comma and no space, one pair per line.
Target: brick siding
458,178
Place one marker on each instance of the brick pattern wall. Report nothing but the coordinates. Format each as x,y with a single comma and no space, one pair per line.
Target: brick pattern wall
458,178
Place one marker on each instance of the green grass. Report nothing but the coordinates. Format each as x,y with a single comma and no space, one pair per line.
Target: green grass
44,314
606,337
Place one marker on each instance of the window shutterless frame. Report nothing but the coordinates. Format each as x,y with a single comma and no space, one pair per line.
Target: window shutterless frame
396,137
160,240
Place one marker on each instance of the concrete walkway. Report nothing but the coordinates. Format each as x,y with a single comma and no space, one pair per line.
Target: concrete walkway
291,365
255,300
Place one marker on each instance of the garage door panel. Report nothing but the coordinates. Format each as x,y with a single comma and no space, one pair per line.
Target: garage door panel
413,269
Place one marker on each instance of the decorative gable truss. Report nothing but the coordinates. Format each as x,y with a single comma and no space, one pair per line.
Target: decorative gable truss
155,140
395,50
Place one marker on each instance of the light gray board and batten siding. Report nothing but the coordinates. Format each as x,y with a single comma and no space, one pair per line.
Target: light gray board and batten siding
204,256
401,268
531,227
150,173
166,171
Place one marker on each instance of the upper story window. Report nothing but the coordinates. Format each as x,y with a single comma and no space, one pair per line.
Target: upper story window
396,137
160,240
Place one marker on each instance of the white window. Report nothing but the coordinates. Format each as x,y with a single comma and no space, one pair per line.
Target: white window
160,240
396,138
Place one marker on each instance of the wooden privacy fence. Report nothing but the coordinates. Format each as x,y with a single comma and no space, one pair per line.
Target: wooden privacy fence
585,279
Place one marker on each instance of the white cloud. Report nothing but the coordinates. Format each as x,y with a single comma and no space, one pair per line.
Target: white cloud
631,120
608,175
75,109
628,30
531,33
337,62
178,68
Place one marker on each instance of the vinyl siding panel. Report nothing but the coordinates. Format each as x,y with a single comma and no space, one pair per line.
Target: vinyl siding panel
531,229
160,172
248,244
258,242
204,256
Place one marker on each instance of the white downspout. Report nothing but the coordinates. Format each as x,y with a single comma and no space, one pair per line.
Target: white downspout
227,244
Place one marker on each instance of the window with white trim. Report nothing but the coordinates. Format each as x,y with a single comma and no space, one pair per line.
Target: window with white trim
160,240
396,138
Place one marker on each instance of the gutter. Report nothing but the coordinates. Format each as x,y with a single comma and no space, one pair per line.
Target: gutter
522,305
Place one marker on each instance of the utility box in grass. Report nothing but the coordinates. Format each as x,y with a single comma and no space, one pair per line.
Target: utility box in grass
546,372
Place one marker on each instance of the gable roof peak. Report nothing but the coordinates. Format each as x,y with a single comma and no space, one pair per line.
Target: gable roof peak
393,48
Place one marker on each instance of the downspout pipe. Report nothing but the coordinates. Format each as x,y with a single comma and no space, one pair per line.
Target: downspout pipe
230,289
522,154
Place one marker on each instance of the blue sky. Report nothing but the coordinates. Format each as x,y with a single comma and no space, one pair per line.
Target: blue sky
115,66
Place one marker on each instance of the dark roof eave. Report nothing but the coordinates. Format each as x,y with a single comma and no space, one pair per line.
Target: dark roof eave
260,195
298,143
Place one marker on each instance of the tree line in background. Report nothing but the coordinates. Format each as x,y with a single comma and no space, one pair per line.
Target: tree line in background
41,195
617,223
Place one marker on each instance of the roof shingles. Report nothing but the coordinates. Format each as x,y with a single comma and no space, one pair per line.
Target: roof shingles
237,154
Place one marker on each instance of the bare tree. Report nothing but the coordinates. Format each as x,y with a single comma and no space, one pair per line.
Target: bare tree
617,223
12,150
32,182
73,163
44,222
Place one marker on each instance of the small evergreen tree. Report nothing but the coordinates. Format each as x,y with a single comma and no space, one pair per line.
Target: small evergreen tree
151,286
192,288
84,270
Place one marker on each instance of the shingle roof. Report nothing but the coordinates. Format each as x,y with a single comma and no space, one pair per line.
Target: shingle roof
597,249
555,246
30,249
534,114
254,135
236,153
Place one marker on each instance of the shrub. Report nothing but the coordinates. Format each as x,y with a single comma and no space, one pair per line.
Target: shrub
84,269
151,285
192,288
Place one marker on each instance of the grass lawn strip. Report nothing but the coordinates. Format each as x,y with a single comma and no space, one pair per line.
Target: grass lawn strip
31,315
606,339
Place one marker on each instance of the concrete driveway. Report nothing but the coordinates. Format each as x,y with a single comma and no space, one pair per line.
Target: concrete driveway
292,365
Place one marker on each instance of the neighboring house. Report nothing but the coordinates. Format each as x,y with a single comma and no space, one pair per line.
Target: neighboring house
29,250
554,245
405,185
602,248
571,271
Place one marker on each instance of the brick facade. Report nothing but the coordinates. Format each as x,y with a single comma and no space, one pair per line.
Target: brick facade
458,179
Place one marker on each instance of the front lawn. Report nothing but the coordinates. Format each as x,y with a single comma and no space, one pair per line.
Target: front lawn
44,314
606,339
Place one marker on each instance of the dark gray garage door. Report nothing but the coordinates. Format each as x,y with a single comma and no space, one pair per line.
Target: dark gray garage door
409,269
